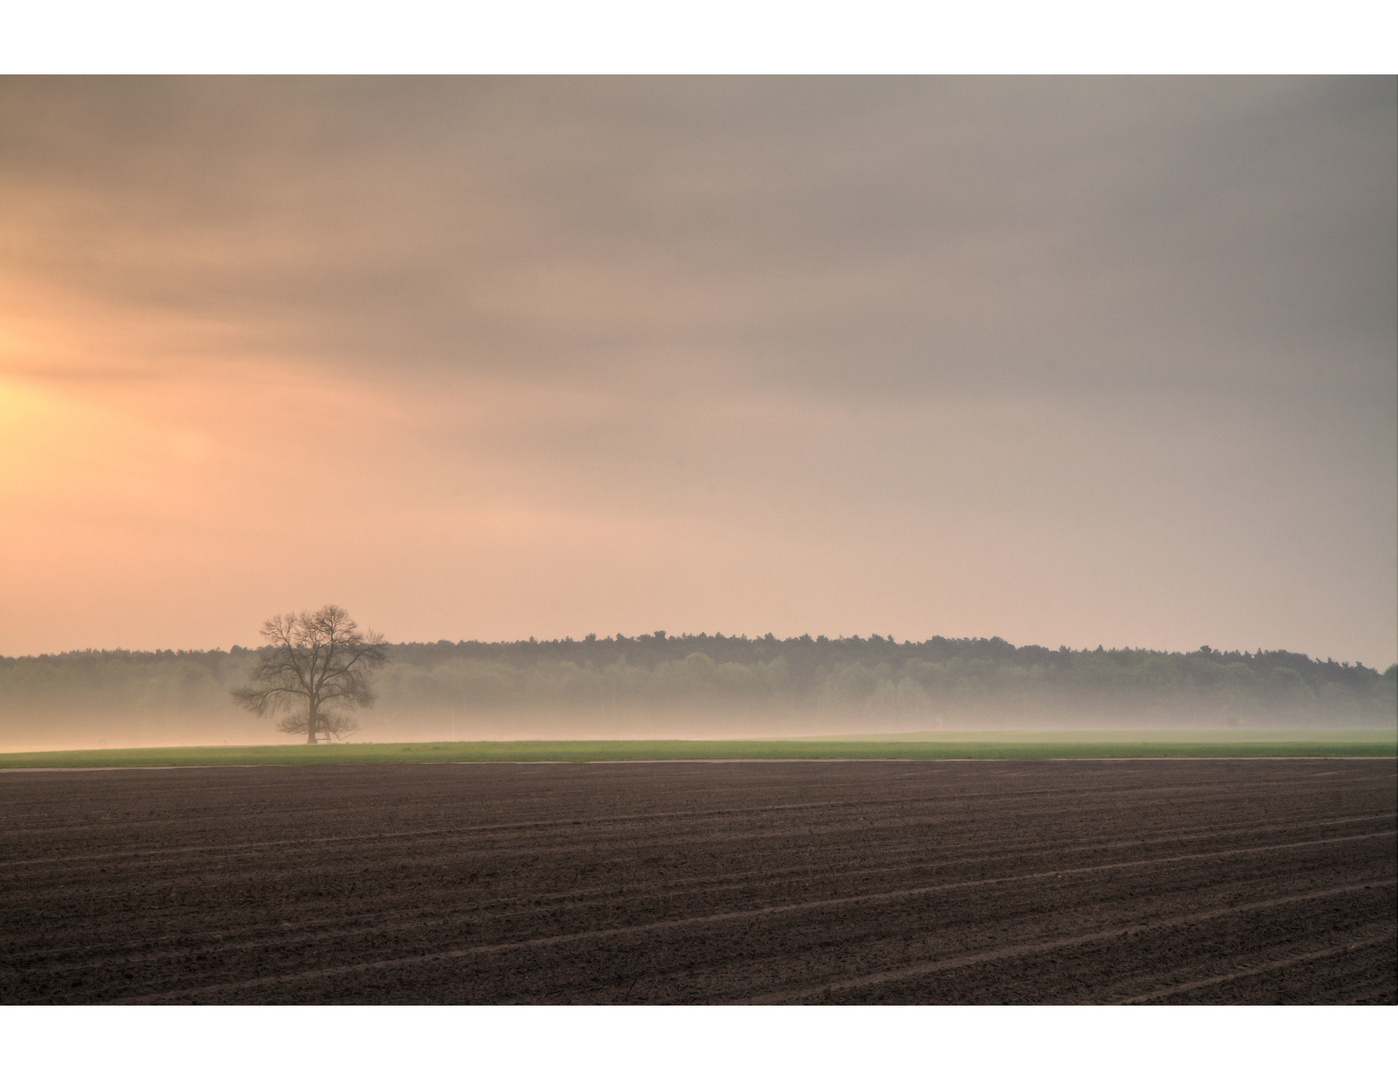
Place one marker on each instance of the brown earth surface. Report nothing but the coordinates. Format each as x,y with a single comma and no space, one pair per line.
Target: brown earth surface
1256,881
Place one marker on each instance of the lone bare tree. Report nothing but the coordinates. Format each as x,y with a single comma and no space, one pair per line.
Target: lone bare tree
318,669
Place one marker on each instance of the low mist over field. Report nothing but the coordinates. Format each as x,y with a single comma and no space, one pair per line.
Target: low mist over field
699,686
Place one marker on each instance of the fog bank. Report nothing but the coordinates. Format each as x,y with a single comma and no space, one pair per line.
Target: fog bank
698,686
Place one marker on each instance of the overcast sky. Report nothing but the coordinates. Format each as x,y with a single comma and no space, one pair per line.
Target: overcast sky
1070,361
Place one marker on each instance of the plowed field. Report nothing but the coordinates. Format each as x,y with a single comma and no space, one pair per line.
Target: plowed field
871,881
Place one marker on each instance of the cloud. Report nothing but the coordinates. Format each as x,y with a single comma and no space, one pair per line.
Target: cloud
826,324
916,233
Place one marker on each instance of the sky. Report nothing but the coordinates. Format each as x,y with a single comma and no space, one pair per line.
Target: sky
1071,361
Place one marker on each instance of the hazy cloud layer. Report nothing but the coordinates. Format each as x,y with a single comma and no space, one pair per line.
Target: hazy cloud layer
1068,360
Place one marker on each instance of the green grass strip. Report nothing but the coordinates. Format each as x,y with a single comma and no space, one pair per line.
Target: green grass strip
1376,745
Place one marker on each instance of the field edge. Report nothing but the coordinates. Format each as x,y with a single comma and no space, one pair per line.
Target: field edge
1363,745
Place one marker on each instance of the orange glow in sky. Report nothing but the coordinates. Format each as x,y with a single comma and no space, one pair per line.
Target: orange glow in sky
1067,361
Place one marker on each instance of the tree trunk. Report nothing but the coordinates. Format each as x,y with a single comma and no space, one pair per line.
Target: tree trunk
311,719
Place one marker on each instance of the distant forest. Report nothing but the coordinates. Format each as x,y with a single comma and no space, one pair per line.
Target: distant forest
730,685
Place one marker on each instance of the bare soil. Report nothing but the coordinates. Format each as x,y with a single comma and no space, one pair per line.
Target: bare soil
1258,881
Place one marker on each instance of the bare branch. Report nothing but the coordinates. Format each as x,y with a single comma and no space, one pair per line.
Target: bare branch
315,658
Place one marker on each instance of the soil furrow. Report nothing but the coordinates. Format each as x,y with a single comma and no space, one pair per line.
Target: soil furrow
1275,965
690,882
780,909
539,907
1016,951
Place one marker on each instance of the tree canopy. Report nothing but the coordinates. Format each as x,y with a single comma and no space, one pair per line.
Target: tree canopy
318,669
117,697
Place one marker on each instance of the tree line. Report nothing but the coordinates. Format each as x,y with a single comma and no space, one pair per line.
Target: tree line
940,681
